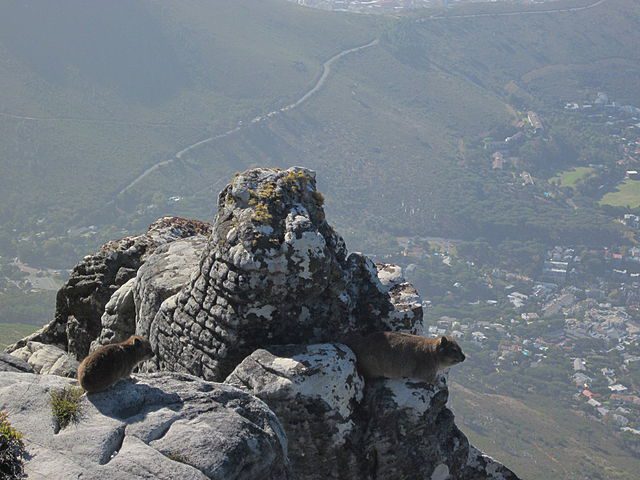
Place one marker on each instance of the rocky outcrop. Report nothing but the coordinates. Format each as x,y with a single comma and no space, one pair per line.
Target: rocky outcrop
261,302
164,426
9,363
119,317
163,275
47,359
404,412
339,427
81,302
273,272
314,390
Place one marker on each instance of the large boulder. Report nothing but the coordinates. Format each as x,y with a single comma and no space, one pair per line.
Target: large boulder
10,363
339,427
273,272
47,359
81,302
163,275
165,426
314,390
119,317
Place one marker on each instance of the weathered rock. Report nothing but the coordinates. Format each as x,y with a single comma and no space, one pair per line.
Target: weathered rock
163,275
9,363
165,426
81,301
47,359
406,314
119,318
273,272
339,428
404,412
314,390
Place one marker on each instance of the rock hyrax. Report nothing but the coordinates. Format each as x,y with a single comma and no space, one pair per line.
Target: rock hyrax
108,364
397,355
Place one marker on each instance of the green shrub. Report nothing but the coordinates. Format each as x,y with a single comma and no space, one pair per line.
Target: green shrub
11,450
65,406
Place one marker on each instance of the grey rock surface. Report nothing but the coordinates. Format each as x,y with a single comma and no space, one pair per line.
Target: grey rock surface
47,359
81,302
164,426
339,427
119,317
314,390
9,363
163,275
273,272
404,412
406,314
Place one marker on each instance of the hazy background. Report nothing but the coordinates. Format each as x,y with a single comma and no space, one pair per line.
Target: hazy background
103,106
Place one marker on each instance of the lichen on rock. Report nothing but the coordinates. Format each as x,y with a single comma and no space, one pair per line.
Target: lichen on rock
273,272
81,302
261,299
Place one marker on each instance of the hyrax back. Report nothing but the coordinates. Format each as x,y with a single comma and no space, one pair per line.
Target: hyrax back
398,355
109,363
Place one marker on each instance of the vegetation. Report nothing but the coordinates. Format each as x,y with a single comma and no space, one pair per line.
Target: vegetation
571,177
66,406
395,135
408,88
537,437
12,450
627,195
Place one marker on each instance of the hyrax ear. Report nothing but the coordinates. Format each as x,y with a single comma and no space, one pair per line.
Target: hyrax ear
137,342
443,341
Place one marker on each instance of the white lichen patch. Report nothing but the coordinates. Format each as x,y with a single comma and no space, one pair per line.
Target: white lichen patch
265,311
441,472
264,229
328,372
390,276
409,395
304,243
484,463
241,258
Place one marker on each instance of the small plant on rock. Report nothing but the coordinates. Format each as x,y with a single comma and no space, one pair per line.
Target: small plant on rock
65,406
11,450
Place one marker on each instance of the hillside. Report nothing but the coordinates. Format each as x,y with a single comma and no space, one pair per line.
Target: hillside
96,93
115,114
91,130
540,439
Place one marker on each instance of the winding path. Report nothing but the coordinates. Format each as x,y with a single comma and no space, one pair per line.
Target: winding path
322,80
515,13
326,71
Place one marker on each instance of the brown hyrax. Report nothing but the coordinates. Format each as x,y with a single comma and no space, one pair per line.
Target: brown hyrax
397,355
109,363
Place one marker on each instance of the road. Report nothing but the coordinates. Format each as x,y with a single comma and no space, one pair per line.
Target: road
516,13
318,85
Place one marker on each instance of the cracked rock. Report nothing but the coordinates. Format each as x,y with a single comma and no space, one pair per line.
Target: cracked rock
272,272
81,302
164,426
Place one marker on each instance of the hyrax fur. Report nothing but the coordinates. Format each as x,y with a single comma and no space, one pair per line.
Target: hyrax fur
398,355
109,363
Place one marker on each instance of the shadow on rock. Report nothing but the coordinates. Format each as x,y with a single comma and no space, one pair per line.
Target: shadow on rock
131,401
